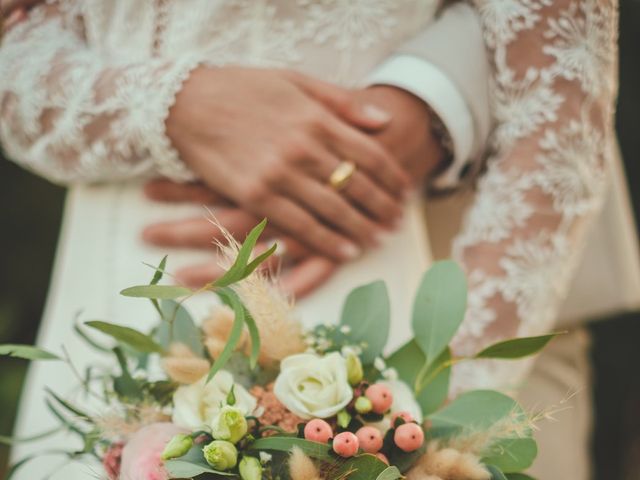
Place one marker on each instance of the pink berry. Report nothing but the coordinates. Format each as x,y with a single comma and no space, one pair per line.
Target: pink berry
346,444
382,457
370,439
408,437
406,416
380,397
318,430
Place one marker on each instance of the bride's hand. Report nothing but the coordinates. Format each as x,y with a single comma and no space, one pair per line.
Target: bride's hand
266,140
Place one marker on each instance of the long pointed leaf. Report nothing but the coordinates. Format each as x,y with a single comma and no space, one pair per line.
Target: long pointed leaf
129,336
68,406
160,292
32,438
517,347
27,352
230,297
254,334
255,263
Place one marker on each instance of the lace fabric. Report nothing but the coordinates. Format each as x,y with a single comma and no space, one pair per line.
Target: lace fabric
554,85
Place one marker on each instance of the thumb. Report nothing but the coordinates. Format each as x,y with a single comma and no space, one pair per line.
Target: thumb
344,103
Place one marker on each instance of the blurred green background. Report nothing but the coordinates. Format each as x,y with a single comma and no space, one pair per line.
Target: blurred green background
30,214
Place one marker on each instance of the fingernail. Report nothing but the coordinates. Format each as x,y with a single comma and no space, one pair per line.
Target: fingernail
376,113
350,251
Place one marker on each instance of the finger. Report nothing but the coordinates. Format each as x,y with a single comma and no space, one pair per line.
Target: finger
370,156
366,194
162,190
13,19
342,102
9,6
307,276
306,228
199,232
328,205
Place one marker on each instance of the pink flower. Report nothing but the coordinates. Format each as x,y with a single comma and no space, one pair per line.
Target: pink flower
111,460
141,455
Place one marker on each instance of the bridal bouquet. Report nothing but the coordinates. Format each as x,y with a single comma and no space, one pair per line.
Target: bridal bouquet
249,394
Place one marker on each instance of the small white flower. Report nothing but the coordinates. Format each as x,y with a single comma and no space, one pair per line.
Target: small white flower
346,329
379,364
265,457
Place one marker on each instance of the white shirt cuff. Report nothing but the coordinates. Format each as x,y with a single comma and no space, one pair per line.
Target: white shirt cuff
429,83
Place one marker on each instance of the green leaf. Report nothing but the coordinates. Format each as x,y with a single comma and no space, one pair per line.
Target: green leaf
125,385
478,409
390,473
361,467
519,476
496,473
237,271
28,352
316,450
408,361
178,326
9,441
182,469
254,334
90,341
512,454
439,307
157,276
367,313
256,262
68,406
481,410
160,292
231,298
133,338
516,347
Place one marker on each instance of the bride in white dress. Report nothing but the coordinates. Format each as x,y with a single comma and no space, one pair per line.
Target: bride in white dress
86,88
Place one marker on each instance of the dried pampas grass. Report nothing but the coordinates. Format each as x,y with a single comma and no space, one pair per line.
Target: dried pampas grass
301,467
184,366
119,425
280,333
447,464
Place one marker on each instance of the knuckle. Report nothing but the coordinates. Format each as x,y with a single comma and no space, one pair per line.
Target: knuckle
295,147
255,192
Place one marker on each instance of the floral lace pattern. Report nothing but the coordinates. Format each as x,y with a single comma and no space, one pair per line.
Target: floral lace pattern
553,92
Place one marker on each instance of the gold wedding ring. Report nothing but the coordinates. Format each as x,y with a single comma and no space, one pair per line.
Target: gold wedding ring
341,175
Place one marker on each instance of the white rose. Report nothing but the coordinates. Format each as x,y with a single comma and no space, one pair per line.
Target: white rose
313,387
196,405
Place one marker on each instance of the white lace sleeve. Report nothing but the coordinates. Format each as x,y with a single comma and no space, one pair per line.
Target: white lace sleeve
72,115
554,84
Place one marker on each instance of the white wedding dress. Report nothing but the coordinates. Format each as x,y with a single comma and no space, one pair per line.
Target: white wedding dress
88,85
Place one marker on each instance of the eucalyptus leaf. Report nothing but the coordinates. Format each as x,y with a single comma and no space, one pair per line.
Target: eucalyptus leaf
517,347
182,469
519,476
408,361
254,335
178,326
68,406
157,276
315,450
512,455
439,307
367,313
160,292
496,473
390,473
129,336
256,262
27,352
231,298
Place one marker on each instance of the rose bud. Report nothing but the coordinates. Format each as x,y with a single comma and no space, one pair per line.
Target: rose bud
380,396
250,468
346,444
221,455
229,424
354,369
178,446
408,437
363,405
318,430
